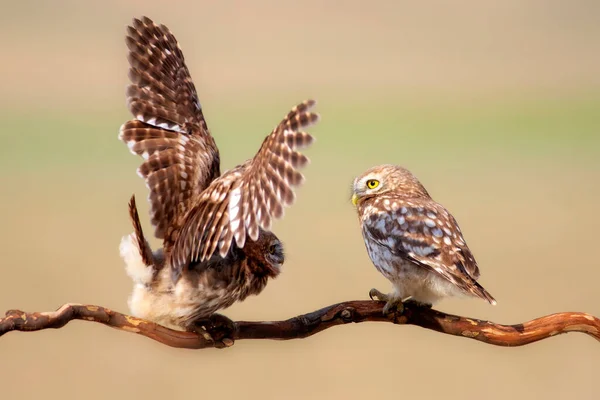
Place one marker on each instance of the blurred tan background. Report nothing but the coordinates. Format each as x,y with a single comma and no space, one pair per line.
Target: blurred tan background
496,107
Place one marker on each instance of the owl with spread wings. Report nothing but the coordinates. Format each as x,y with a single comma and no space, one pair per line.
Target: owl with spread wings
413,240
216,245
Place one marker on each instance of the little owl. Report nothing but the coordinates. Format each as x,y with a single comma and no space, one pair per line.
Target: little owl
412,240
216,245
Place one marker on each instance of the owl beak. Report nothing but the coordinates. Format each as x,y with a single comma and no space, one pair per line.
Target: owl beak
354,198
275,269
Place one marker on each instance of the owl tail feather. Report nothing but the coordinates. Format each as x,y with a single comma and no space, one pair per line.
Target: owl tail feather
140,263
484,294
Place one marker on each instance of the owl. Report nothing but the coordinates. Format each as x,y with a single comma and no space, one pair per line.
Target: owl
216,245
413,240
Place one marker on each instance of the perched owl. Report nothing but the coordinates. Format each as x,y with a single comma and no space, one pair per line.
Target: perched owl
216,244
412,240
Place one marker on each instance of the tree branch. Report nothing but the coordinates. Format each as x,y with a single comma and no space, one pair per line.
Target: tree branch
309,324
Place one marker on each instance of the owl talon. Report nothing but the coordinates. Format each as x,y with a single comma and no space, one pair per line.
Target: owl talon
216,322
375,294
418,303
394,306
219,327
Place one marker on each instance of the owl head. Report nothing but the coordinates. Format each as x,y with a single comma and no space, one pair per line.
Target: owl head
386,178
268,255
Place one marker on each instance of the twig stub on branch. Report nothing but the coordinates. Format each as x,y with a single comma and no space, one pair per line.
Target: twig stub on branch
309,324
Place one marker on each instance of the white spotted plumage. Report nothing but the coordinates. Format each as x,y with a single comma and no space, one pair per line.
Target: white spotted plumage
412,240
214,227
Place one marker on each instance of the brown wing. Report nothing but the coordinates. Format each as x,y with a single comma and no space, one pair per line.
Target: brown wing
249,196
169,132
425,233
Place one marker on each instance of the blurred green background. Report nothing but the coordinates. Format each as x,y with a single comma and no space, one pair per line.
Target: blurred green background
494,106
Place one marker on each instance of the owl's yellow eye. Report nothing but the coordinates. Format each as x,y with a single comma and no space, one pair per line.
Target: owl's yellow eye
372,183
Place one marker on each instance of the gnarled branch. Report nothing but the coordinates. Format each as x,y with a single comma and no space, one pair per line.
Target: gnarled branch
309,324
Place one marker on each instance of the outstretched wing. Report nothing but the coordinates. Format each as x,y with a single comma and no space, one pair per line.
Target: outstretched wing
249,196
425,233
169,132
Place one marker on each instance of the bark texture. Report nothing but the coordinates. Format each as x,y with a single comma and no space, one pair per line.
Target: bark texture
224,334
